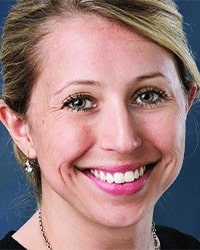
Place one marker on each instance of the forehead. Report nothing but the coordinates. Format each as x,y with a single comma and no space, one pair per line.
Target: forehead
88,30
79,46
90,23
79,30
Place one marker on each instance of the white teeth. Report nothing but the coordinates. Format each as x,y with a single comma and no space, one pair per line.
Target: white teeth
142,169
109,178
102,176
119,177
96,173
137,174
129,176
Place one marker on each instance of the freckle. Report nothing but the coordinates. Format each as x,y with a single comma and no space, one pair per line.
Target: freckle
87,130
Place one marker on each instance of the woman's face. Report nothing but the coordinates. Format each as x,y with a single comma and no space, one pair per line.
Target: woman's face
106,121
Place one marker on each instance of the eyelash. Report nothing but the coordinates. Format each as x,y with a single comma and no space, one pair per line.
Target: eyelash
158,96
86,100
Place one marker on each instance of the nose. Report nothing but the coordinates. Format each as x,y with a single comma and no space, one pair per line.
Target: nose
119,131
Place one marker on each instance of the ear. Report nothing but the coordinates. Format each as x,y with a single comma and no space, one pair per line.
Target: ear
191,95
18,129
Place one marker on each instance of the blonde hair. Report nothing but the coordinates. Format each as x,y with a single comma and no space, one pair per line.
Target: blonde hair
27,24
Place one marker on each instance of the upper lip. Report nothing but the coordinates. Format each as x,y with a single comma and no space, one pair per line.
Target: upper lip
118,168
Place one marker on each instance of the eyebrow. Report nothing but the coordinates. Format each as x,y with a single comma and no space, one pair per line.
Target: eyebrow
152,75
76,83
85,82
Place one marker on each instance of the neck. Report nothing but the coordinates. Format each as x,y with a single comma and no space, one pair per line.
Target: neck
78,231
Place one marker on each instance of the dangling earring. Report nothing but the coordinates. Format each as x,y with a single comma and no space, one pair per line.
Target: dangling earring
28,166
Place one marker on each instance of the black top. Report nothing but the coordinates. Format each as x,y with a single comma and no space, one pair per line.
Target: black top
9,243
169,238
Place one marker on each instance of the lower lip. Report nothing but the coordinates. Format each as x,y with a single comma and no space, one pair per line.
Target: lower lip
120,189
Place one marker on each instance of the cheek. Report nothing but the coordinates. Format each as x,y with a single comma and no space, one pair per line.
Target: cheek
60,143
57,150
166,135
167,131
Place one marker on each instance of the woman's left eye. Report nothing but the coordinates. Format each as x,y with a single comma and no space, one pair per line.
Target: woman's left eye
150,97
79,102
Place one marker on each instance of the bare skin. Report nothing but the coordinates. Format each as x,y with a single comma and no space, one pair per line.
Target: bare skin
102,103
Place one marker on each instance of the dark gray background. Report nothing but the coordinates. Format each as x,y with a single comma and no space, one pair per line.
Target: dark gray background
179,207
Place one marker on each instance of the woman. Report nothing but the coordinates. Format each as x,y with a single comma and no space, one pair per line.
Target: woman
90,89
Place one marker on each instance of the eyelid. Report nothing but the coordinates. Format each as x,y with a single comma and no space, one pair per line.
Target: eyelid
151,88
79,95
163,95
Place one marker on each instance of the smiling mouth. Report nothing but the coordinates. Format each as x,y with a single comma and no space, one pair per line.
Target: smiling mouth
121,177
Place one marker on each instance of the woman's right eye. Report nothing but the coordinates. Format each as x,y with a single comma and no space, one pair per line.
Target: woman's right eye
79,102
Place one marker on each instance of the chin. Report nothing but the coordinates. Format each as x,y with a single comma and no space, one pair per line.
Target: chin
121,216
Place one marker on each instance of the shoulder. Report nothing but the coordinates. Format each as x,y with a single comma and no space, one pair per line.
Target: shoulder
171,238
9,243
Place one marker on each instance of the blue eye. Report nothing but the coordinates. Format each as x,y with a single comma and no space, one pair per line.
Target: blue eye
79,102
